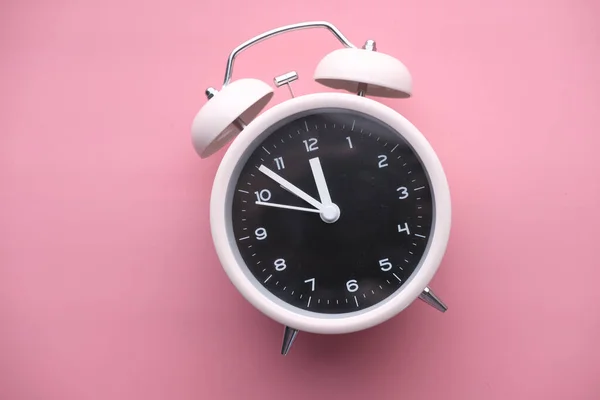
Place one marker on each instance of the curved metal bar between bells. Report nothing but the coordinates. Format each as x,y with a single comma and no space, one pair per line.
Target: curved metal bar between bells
278,31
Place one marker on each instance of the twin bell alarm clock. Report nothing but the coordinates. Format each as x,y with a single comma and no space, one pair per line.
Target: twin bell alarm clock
330,212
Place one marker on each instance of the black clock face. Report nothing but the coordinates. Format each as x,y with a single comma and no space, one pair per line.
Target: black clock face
332,212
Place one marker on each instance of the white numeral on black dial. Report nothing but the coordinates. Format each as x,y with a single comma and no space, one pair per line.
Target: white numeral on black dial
279,163
403,192
352,285
261,233
263,195
382,160
404,228
280,264
312,283
349,141
311,144
385,264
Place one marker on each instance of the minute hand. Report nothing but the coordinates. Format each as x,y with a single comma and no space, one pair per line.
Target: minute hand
290,187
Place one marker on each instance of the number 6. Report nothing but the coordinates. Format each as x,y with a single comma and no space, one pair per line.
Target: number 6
352,285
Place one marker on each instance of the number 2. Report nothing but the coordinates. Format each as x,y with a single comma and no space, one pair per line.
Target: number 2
382,160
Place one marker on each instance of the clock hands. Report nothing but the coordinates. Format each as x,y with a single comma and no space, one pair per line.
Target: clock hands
330,211
315,166
291,188
266,203
326,208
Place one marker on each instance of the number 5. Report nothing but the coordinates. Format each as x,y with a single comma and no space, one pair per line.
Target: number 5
385,264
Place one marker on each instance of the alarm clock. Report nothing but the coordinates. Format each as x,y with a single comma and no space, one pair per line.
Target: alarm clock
330,212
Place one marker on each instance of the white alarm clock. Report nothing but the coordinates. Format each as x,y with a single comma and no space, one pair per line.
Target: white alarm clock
330,212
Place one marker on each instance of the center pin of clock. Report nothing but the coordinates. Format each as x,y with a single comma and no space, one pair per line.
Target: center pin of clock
330,213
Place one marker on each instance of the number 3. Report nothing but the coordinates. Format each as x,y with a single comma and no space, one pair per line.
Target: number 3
403,192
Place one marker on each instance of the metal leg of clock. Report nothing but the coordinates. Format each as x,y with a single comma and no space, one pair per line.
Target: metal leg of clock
430,298
289,335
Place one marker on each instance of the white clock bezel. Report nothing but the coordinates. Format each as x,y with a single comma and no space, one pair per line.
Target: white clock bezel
225,242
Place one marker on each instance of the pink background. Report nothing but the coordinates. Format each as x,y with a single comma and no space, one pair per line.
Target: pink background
109,284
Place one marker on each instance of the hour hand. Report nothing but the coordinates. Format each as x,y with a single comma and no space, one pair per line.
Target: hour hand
315,166
330,212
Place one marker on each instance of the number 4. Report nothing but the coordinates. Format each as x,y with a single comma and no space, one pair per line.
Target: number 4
404,229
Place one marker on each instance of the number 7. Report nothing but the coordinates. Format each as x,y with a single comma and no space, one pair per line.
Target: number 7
312,282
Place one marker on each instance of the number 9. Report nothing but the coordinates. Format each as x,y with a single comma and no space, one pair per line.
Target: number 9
261,233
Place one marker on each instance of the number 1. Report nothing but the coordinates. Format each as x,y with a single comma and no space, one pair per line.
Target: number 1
349,141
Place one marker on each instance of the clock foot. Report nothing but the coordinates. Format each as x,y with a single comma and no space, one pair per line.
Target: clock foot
430,298
289,335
